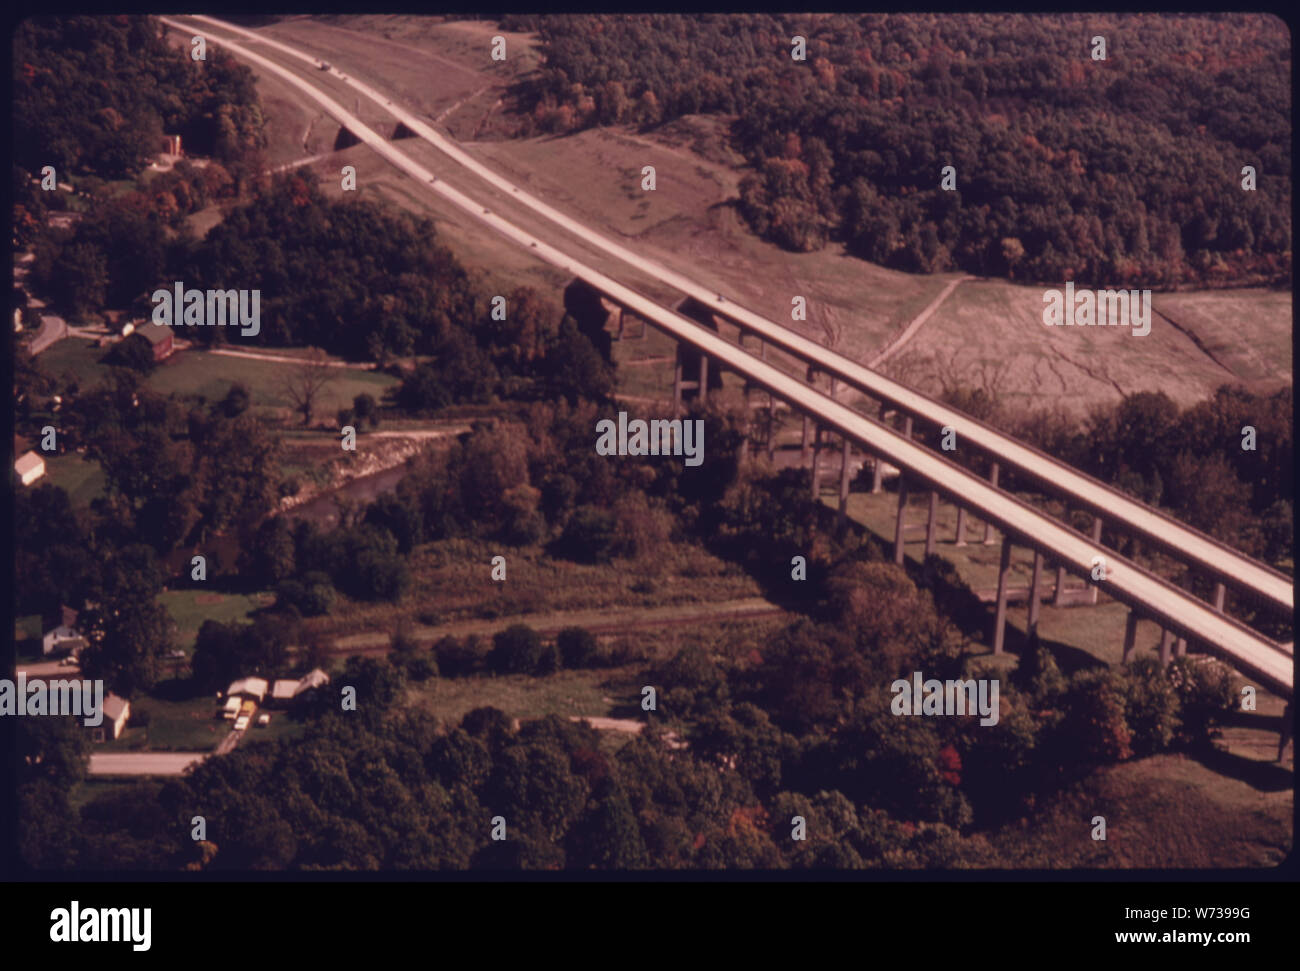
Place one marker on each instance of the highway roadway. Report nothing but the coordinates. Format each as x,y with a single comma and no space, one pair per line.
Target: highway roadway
1155,597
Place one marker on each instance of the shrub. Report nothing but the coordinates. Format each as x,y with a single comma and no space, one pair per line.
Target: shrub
457,658
520,650
588,537
577,647
1152,708
1094,729
1204,688
312,595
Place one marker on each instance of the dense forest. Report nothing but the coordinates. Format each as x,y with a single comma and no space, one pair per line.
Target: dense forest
1123,171
94,96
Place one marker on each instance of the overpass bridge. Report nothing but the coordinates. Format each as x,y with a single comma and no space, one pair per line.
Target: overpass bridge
1176,610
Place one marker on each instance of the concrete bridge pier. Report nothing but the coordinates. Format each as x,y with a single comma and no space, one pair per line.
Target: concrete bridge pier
816,460
680,384
988,527
1096,538
932,524
1130,634
878,473
1058,597
1219,591
1166,645
1000,614
844,480
961,527
902,514
1035,597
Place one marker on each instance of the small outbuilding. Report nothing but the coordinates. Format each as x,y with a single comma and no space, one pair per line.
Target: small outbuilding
117,711
29,468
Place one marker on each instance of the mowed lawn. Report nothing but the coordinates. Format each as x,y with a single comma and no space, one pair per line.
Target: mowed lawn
191,725
190,608
211,375
82,479
592,693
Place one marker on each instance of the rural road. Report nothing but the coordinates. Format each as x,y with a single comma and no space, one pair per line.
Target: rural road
286,359
143,763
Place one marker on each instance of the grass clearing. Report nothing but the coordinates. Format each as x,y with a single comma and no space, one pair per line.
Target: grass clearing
451,582
991,332
1248,331
211,375
82,479
592,693
190,608
77,357
190,725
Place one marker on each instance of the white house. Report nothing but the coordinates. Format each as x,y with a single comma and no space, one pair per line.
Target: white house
117,711
65,638
29,467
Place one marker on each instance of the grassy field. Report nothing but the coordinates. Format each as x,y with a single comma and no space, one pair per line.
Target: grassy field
565,693
77,357
990,333
81,479
203,220
211,376
195,371
451,580
1247,331
190,608
190,725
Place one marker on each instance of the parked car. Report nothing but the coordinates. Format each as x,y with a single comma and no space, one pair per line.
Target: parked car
324,65
241,723
264,719
178,653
